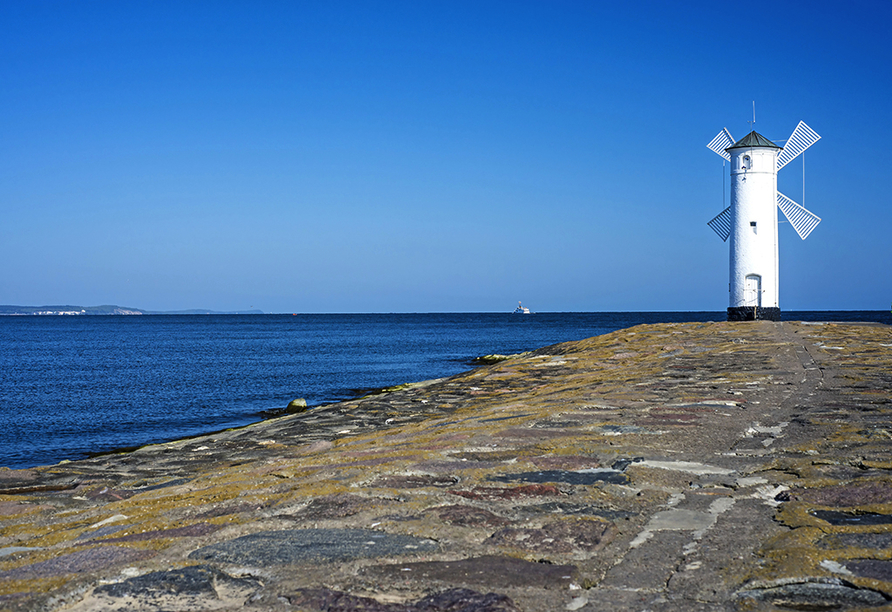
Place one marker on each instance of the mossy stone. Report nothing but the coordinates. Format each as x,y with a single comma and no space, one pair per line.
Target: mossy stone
296,406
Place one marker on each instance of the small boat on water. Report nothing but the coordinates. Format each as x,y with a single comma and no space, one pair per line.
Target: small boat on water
521,309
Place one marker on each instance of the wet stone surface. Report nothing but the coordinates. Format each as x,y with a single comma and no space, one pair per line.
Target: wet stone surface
565,462
192,580
588,477
453,600
817,596
290,547
491,571
865,519
415,481
880,541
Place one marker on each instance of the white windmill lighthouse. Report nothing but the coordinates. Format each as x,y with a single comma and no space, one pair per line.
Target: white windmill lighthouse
751,220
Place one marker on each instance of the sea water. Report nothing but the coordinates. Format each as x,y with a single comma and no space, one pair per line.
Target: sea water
71,386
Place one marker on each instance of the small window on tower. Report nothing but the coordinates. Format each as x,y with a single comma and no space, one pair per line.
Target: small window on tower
747,162
753,225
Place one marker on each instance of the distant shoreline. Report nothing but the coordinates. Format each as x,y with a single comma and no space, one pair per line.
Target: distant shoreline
69,310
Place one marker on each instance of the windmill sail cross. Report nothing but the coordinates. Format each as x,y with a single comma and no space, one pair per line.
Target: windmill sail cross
802,220
721,142
802,138
721,224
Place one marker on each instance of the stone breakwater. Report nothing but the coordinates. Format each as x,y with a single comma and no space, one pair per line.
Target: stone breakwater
713,466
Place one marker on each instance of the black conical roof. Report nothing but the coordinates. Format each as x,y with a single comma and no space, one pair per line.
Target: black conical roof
753,139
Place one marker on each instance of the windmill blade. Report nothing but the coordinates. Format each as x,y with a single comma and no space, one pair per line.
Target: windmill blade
802,220
721,224
721,142
802,138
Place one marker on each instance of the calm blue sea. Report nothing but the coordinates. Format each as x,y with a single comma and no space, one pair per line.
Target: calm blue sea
74,385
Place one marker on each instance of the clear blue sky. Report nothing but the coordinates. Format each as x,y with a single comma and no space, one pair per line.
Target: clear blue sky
430,156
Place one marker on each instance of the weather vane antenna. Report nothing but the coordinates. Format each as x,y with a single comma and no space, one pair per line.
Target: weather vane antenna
753,122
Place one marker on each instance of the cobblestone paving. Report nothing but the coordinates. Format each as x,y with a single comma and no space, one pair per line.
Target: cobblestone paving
711,466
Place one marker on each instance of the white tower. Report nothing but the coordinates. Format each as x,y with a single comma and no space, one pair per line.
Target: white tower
751,220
